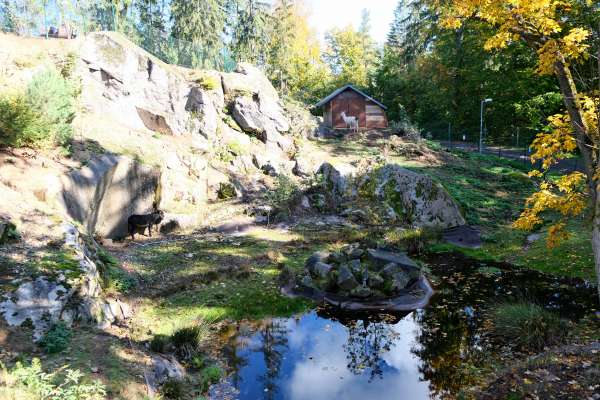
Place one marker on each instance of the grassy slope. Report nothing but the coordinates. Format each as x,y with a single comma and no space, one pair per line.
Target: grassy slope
492,193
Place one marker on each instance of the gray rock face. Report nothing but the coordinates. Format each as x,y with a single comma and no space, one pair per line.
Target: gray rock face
338,178
135,88
382,258
415,198
390,269
46,300
40,301
321,269
248,114
400,281
164,368
355,266
319,256
248,81
104,193
346,280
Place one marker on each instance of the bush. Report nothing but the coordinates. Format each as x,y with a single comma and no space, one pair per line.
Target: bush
31,382
188,341
56,339
406,129
528,325
173,389
20,124
210,375
159,343
54,96
284,195
41,116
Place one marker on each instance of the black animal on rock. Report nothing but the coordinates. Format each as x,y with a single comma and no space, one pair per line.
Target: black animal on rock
137,223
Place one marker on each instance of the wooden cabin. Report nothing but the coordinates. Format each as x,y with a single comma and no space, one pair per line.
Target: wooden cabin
370,113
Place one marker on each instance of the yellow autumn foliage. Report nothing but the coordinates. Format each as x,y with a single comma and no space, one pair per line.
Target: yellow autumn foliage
541,24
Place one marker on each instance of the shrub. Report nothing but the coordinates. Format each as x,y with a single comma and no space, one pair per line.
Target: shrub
188,341
56,339
41,116
283,196
406,129
226,191
173,389
20,124
31,382
54,96
208,82
210,375
159,343
528,325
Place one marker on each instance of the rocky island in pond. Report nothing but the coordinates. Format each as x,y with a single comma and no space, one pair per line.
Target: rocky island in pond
360,278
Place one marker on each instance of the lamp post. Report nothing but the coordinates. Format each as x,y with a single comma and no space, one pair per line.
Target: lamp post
484,101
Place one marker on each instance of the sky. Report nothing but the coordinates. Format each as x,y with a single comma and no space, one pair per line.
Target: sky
327,14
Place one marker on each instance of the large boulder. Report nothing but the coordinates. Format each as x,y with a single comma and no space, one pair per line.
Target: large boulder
125,83
414,198
248,80
104,193
73,293
248,114
338,179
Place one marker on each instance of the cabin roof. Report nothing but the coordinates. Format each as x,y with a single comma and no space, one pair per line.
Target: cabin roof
340,90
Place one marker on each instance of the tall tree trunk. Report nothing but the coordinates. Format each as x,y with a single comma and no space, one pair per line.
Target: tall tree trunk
596,237
585,146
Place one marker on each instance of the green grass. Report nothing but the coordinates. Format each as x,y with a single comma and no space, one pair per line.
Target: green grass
489,190
572,257
528,325
218,280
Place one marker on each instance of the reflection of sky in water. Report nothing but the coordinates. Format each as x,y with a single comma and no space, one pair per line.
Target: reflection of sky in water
314,365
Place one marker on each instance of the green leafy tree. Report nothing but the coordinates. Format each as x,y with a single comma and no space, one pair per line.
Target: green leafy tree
249,30
350,54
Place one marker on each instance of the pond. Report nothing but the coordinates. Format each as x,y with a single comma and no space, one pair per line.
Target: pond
429,353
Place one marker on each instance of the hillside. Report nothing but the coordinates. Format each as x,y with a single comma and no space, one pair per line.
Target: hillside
249,192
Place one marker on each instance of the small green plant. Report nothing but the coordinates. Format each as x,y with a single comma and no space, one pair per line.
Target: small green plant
283,196
199,361
31,382
528,325
210,375
9,234
188,341
173,389
226,191
56,339
208,82
159,343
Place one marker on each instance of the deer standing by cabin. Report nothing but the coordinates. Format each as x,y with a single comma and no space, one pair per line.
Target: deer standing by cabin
351,122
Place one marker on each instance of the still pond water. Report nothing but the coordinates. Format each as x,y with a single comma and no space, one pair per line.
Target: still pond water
323,355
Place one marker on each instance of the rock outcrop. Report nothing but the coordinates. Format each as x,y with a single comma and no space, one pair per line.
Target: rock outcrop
71,295
231,128
105,192
391,194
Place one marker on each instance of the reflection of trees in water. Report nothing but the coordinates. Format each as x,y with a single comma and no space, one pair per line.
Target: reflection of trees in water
273,344
447,346
367,342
